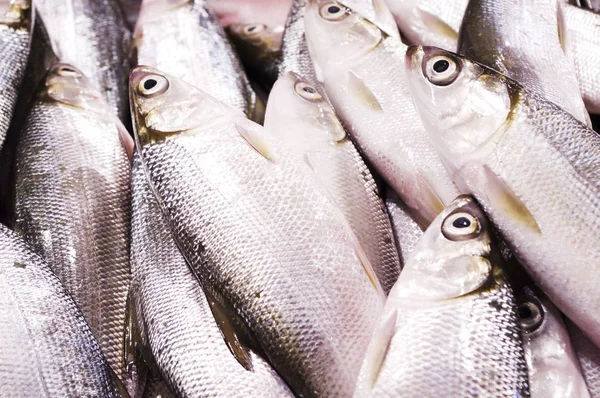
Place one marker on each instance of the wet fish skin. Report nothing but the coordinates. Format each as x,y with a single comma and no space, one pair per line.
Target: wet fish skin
500,35
301,117
72,200
46,347
532,166
450,326
15,38
92,36
589,358
406,231
180,329
291,271
364,79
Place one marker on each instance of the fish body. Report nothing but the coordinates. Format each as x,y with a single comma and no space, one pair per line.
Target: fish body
449,327
92,36
589,358
361,68
179,327
299,115
72,200
261,235
533,167
406,230
46,346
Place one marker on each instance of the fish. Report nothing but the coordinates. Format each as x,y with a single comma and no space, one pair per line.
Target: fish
261,235
176,317
16,29
588,355
449,326
73,199
259,48
406,231
301,118
533,167
47,348
363,75
553,366
92,35
501,34
183,38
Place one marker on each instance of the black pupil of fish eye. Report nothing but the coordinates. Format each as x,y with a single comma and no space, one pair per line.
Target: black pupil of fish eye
309,90
462,222
525,312
67,69
252,28
333,9
441,66
150,84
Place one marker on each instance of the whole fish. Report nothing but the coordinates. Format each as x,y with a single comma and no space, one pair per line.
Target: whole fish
551,361
260,233
16,24
534,168
589,358
92,36
449,327
524,41
406,230
183,38
46,347
72,199
363,74
178,323
299,115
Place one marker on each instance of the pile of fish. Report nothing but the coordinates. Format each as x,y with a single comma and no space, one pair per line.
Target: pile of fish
311,198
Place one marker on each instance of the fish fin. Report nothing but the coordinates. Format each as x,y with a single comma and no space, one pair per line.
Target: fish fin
562,27
256,142
432,204
384,17
378,350
364,262
360,90
436,25
230,327
136,353
125,138
504,200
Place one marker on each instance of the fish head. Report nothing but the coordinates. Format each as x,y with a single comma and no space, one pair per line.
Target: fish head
301,113
257,35
336,34
453,258
162,105
462,103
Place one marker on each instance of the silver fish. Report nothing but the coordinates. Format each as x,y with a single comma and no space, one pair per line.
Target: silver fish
589,358
449,327
363,74
178,323
184,39
406,230
532,165
73,202
299,115
500,34
92,36
259,232
46,347
16,24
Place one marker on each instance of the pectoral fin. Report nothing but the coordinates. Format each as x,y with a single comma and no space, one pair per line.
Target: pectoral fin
257,142
360,91
435,24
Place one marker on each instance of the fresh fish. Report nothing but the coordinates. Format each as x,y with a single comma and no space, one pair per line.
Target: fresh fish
362,70
299,115
46,347
583,49
551,361
532,165
260,233
180,329
92,36
449,327
15,38
406,230
72,200
259,47
183,38
502,35
589,358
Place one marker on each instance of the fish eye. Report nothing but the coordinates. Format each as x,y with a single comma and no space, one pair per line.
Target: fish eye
253,29
68,71
461,226
441,70
531,314
307,92
333,11
153,85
